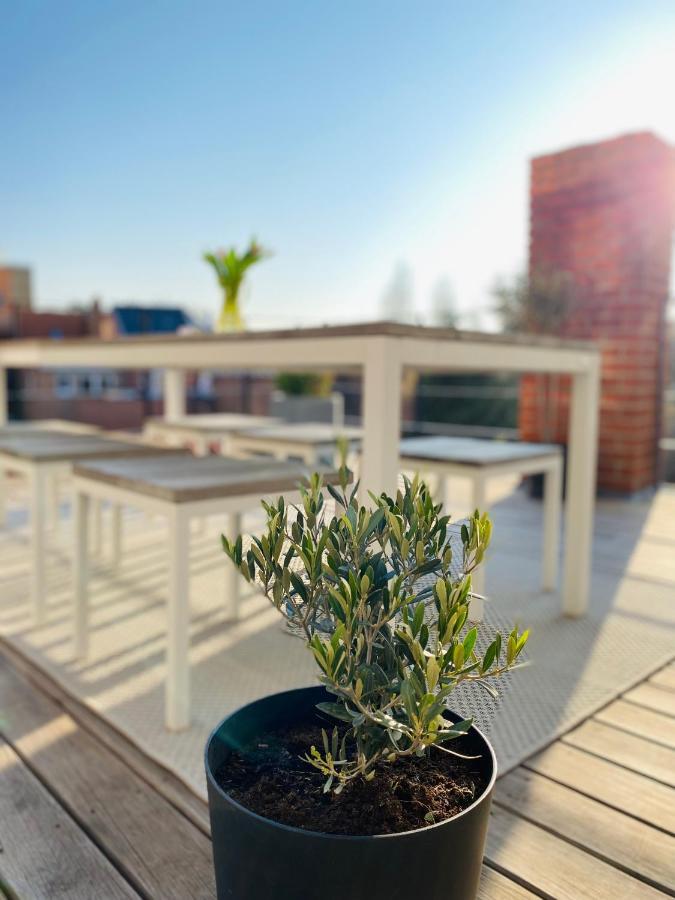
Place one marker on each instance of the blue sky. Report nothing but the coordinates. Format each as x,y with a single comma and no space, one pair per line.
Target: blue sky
349,137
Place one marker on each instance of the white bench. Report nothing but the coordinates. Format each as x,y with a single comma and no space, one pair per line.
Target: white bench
312,442
202,432
480,460
179,489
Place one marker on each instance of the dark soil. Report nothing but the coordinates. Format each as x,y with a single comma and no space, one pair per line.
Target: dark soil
270,778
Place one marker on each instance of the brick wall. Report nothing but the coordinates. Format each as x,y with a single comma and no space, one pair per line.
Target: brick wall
604,214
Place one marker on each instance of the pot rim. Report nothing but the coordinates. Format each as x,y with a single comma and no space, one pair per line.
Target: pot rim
326,834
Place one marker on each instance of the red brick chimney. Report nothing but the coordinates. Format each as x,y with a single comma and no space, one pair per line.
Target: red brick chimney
604,214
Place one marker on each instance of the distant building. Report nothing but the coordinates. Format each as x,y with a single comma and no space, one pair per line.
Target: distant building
106,397
15,287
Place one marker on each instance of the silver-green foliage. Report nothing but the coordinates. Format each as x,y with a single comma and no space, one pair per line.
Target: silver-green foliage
390,650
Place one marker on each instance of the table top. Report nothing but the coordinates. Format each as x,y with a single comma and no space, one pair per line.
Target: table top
52,446
214,423
188,478
24,426
304,433
473,451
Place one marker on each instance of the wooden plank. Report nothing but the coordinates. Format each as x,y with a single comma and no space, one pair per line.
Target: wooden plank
627,791
553,867
157,848
495,886
617,838
164,781
637,720
44,853
655,698
665,678
625,749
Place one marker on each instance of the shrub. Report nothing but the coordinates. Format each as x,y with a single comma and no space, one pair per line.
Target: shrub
390,647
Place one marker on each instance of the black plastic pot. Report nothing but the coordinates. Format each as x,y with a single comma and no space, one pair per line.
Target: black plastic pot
258,859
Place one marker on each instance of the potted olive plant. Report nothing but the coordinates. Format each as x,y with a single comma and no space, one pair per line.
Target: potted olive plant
366,786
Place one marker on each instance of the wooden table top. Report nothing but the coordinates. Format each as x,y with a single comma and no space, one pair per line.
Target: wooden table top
473,451
215,423
52,446
304,433
189,478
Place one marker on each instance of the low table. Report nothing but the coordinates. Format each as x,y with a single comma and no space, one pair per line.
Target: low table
202,431
43,456
46,428
480,460
178,489
312,442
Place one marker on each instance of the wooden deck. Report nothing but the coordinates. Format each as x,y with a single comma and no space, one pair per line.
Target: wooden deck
84,814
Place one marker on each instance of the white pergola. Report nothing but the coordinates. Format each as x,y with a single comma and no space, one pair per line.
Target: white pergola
380,351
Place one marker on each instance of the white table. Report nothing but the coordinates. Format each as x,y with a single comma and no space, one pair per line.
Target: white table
379,352
179,489
313,442
202,432
479,461
42,456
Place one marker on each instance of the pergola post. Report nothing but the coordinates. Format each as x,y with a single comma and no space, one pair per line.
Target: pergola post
174,394
582,450
381,418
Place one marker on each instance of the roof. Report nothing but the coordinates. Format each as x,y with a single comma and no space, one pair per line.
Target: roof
149,319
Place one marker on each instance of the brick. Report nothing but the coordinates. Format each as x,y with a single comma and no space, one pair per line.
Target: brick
604,213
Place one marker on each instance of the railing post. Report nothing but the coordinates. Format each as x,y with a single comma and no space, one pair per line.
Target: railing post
174,394
4,399
381,418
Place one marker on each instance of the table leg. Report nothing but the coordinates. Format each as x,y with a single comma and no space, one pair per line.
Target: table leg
3,498
177,711
476,607
174,394
232,576
582,453
37,544
97,524
116,528
381,419
443,491
201,446
81,510
54,500
552,511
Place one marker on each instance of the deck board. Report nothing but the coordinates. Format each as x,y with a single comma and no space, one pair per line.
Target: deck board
629,750
644,798
44,853
555,867
156,847
658,699
614,836
665,678
638,720
570,823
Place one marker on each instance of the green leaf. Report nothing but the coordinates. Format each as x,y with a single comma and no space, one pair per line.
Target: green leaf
336,710
433,671
469,642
